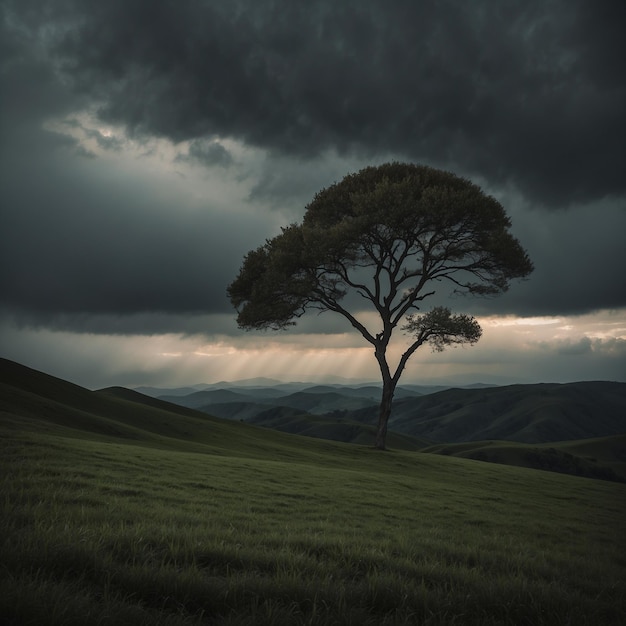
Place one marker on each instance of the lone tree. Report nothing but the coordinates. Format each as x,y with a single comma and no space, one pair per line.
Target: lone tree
389,235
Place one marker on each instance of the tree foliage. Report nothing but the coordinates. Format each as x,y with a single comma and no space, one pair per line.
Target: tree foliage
391,234
440,328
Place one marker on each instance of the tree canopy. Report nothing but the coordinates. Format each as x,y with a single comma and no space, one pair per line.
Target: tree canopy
392,234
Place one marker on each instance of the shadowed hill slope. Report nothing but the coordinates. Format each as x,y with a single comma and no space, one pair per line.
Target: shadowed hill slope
523,413
603,458
336,428
31,400
207,397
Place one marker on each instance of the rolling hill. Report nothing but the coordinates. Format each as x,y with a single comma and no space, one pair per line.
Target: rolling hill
32,400
199,399
315,402
523,413
603,457
577,428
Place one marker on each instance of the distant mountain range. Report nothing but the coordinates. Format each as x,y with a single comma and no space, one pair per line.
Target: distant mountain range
260,386
523,413
577,428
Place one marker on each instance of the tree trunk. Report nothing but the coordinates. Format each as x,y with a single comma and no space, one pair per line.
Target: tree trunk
384,414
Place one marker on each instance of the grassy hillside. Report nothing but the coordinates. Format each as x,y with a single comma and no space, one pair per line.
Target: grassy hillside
603,458
33,401
122,512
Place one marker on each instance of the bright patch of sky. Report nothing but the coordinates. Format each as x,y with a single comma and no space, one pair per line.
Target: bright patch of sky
512,350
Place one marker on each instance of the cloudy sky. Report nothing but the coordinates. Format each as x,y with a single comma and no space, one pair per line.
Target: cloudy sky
147,145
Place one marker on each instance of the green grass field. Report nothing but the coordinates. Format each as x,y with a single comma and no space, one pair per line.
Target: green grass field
177,518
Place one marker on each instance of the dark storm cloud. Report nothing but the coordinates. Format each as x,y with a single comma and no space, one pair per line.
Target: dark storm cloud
579,259
77,241
527,92
207,153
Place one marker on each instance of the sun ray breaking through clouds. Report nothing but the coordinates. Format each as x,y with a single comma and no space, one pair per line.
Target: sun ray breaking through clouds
511,350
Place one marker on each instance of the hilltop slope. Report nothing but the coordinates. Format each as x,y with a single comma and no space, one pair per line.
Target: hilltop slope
32,400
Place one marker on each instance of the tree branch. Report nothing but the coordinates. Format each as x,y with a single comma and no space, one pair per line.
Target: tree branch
333,305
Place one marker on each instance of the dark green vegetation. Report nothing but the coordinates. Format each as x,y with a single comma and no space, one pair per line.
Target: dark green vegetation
394,235
122,509
603,458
